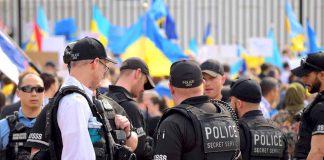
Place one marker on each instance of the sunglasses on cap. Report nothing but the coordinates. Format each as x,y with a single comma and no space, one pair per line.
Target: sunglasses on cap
29,89
304,64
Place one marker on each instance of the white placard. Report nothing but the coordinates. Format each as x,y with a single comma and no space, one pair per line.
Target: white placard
260,47
223,53
55,44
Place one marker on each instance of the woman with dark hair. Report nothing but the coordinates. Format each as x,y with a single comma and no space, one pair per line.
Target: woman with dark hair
51,85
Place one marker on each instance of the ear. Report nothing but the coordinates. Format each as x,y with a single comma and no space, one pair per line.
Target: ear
239,103
94,64
321,76
138,73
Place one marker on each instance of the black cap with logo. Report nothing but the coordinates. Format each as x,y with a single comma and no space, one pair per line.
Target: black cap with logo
135,63
212,67
84,49
247,90
313,62
185,74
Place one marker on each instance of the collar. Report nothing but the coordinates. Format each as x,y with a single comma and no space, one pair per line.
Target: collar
70,80
196,100
266,103
114,88
22,116
252,113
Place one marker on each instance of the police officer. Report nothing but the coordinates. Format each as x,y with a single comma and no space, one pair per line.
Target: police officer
134,79
195,128
260,139
87,63
310,143
15,128
213,74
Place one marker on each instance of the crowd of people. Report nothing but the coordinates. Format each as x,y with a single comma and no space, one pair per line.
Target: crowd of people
100,111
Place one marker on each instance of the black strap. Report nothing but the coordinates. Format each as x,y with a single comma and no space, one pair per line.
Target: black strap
12,121
98,111
52,113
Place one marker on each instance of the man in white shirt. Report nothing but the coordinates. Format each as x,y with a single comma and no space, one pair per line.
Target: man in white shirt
88,63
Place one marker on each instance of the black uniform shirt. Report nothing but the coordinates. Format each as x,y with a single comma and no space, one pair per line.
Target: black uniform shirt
135,117
312,123
245,136
176,134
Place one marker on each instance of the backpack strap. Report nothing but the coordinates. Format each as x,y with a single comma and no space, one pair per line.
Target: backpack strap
12,121
51,118
182,110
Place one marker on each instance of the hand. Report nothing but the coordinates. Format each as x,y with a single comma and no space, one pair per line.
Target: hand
122,123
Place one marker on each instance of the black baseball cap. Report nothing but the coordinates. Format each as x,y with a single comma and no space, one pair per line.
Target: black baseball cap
185,74
85,48
135,63
313,62
212,67
247,90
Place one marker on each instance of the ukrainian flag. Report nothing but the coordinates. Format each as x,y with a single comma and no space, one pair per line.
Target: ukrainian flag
208,38
192,50
295,29
144,40
100,25
158,11
275,59
40,31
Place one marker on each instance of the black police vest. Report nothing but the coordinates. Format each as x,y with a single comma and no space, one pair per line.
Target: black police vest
53,133
17,138
216,134
266,140
303,144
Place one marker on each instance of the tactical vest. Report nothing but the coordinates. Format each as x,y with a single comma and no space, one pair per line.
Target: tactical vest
266,140
303,144
17,138
216,134
53,133
121,98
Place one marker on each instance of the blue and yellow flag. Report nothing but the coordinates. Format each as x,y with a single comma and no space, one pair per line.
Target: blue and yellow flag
295,29
275,59
192,50
40,30
312,44
100,25
170,27
66,27
208,38
158,11
144,40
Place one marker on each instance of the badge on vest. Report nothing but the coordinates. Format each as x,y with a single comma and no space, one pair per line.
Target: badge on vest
219,135
19,136
267,143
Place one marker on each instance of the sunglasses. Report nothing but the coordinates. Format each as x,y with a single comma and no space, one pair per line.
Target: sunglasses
304,64
30,89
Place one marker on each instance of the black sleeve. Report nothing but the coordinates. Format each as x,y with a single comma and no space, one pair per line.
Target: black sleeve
245,140
285,154
318,118
36,138
242,138
142,151
174,136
